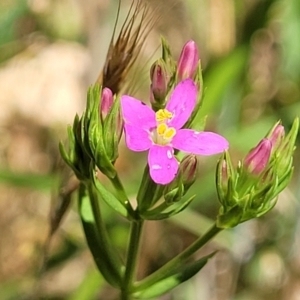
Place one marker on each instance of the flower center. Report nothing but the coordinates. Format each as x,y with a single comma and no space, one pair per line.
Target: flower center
163,134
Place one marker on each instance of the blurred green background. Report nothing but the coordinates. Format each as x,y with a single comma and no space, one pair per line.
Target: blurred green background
52,50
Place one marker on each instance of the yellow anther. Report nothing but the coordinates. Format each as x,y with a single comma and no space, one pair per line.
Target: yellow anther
164,134
161,128
169,133
163,115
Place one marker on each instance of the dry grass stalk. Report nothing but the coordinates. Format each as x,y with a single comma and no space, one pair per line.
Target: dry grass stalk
123,51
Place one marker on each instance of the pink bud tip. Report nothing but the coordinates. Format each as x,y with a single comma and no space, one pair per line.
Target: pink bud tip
106,102
258,158
188,61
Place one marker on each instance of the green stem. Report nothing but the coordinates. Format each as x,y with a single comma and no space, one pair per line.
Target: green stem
149,192
132,254
178,260
116,182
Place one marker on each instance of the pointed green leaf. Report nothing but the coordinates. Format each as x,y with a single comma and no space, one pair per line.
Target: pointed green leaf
109,198
165,211
64,154
103,253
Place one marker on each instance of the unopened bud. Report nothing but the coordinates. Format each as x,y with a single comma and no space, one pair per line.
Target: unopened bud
188,61
106,103
113,128
188,167
258,158
225,176
159,80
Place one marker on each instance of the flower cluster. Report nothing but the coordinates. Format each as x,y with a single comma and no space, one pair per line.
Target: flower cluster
250,190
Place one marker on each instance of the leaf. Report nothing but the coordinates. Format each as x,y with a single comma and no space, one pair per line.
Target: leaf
173,279
106,259
109,198
165,211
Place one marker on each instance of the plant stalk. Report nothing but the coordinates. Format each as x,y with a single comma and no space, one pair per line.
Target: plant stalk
132,255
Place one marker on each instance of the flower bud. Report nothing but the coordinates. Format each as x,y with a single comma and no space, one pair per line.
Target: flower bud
112,129
257,159
188,168
106,103
185,178
276,135
224,178
159,81
188,61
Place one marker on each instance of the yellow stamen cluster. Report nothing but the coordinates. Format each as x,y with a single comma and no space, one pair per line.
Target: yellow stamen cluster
163,115
164,133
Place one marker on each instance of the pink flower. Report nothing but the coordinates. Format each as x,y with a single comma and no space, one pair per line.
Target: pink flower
161,132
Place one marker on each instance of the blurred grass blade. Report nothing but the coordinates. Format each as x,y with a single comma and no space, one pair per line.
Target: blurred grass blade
219,77
29,180
89,287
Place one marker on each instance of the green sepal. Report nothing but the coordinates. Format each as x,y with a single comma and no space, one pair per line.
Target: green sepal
106,259
164,211
109,198
110,128
285,181
65,156
174,193
166,50
93,134
170,63
231,218
76,157
173,279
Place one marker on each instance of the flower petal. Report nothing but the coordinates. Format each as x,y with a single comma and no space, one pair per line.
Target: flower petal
137,113
182,103
137,138
162,164
201,143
